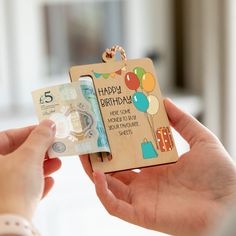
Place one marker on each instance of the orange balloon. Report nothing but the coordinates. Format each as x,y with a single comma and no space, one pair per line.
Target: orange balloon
148,82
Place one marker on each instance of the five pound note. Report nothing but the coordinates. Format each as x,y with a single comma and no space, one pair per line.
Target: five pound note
74,109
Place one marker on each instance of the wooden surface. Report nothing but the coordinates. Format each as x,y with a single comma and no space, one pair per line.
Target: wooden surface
126,148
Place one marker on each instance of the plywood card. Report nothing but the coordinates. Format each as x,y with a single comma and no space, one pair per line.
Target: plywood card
133,114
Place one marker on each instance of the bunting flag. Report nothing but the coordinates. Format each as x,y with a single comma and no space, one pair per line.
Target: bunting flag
109,75
97,75
119,72
113,75
123,68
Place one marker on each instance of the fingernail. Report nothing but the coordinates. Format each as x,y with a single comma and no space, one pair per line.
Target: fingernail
49,123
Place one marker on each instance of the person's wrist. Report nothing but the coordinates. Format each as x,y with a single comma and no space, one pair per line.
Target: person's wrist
14,207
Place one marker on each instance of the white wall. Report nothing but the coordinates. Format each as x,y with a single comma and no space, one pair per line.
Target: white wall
150,26
211,74
4,82
230,79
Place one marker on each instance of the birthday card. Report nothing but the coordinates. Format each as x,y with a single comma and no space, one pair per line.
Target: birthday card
113,111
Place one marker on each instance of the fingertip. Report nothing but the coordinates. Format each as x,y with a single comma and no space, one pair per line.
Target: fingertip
57,161
48,185
98,176
44,133
168,100
51,165
185,124
112,204
171,109
84,156
100,182
49,179
39,141
49,124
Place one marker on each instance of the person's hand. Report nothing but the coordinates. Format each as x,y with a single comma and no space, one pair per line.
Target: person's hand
25,168
184,198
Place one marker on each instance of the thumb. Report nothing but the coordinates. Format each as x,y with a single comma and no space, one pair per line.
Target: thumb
186,125
39,141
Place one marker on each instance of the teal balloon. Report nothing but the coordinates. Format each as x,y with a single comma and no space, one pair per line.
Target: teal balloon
140,101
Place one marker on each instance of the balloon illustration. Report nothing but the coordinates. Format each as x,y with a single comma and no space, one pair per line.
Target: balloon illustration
139,71
132,81
153,105
148,82
140,101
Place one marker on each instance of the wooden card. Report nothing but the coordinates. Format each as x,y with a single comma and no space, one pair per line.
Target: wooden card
133,114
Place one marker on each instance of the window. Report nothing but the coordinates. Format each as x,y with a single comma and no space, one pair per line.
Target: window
78,32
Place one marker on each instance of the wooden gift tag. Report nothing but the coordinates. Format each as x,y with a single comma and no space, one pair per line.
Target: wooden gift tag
133,113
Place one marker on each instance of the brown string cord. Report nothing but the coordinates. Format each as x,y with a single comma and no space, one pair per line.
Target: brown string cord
109,54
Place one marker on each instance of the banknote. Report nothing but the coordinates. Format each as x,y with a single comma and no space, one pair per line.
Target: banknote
86,85
75,110
88,91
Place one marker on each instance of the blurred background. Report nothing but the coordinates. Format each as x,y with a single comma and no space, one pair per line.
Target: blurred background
191,42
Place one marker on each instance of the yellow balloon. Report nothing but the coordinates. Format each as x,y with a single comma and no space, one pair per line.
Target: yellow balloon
148,82
153,105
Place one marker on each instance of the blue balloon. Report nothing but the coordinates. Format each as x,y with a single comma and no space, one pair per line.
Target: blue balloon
140,101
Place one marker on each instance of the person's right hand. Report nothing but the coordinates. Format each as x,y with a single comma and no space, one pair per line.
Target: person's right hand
184,198
25,168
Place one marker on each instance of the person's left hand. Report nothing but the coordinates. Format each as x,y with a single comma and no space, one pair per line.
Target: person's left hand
188,197
25,168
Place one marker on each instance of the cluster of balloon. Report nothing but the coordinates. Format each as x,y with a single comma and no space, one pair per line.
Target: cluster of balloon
139,78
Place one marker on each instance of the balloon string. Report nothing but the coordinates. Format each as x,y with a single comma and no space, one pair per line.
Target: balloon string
153,125
152,131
